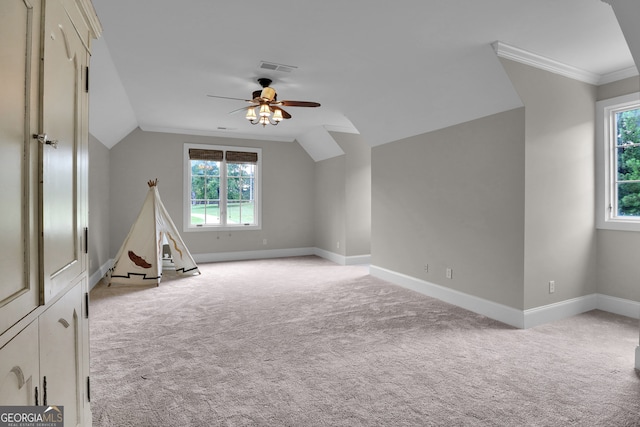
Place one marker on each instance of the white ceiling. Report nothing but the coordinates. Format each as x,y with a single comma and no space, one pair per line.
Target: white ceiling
387,70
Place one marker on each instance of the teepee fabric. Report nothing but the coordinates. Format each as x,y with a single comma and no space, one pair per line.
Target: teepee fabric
139,260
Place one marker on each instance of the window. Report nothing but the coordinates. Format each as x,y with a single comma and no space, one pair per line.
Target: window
222,187
618,163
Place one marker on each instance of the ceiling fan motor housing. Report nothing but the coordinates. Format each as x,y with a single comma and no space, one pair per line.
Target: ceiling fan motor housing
268,94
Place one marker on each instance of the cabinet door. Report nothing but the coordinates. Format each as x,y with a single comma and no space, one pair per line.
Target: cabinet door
62,102
60,355
19,290
19,369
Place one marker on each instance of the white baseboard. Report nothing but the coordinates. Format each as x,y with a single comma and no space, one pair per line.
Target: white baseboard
509,315
500,312
358,260
623,307
518,318
559,310
247,255
281,253
341,259
99,274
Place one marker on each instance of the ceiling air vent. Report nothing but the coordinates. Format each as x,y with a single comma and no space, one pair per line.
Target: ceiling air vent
264,65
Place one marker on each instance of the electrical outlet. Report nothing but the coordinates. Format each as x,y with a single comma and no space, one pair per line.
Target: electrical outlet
338,244
552,286
449,273
426,268
264,241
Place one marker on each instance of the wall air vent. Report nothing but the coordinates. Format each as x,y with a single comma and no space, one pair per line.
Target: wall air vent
265,65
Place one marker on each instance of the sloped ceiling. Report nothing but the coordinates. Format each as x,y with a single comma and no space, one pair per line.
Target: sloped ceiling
386,70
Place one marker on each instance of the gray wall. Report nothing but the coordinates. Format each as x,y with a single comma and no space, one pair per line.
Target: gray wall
343,198
99,242
287,179
617,272
330,224
462,197
560,187
506,201
454,198
357,192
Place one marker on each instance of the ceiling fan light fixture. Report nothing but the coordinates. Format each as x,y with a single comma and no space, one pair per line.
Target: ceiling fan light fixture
265,111
251,114
277,116
264,120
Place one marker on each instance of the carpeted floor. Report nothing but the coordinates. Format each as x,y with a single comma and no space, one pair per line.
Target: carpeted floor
305,342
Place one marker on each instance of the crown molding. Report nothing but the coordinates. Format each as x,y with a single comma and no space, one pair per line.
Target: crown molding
89,14
513,53
618,75
215,133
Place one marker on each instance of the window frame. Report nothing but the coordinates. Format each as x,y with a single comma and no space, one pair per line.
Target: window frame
186,196
606,216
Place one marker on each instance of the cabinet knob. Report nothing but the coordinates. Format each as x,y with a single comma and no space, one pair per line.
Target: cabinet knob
44,139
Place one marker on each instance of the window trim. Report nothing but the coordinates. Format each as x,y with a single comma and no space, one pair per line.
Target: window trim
605,169
186,193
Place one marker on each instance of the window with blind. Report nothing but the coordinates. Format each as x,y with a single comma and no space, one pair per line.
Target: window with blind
222,187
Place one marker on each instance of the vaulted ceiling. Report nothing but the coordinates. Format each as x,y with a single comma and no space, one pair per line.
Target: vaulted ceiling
386,70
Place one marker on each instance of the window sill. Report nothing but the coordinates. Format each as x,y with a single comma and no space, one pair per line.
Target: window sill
206,228
619,225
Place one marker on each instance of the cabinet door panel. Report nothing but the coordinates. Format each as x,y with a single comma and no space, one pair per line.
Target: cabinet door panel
19,292
61,121
19,369
60,354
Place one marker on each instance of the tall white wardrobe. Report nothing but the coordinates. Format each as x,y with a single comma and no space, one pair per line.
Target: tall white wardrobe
44,313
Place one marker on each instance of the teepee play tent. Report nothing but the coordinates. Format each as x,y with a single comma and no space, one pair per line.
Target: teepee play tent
140,258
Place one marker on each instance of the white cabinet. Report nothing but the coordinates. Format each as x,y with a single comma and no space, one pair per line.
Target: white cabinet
63,91
44,335
19,68
19,368
61,330
46,363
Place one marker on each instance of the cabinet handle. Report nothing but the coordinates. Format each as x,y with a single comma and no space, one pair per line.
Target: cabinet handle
44,391
37,396
43,138
18,372
86,305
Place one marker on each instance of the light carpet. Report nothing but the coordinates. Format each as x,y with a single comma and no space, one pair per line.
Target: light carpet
305,342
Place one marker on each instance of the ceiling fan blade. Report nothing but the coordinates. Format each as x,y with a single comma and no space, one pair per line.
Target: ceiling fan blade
227,97
242,109
285,115
298,103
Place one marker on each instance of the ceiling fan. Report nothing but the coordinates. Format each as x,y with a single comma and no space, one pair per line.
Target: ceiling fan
269,111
